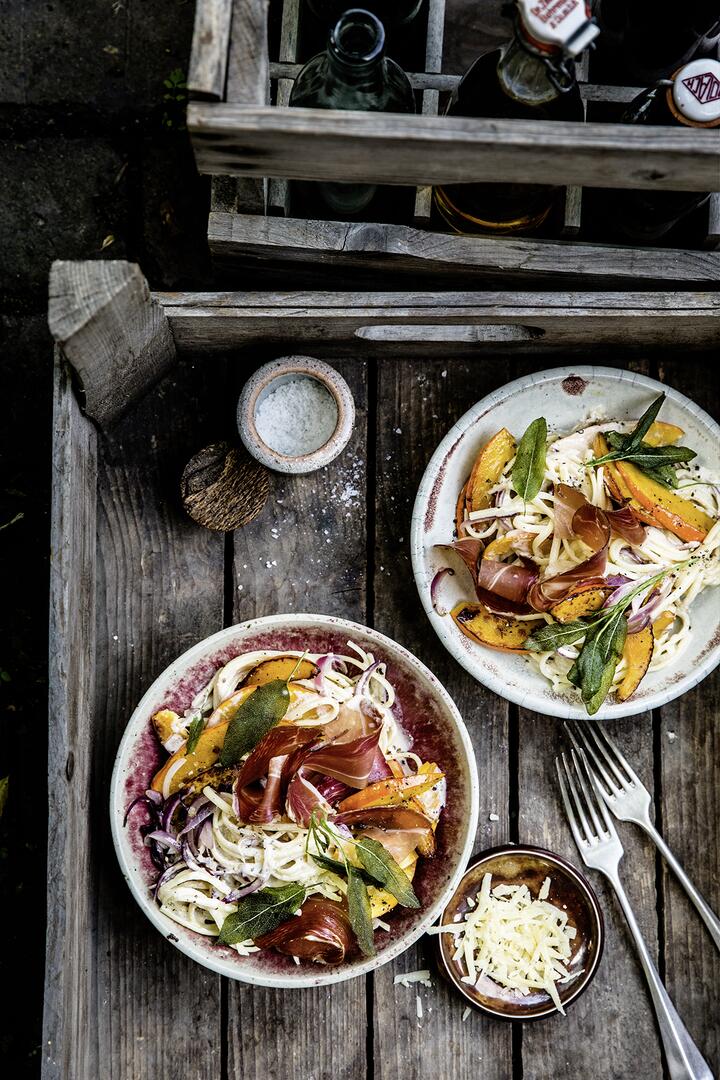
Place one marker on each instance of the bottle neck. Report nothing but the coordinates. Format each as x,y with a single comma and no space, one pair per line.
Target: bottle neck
532,76
356,50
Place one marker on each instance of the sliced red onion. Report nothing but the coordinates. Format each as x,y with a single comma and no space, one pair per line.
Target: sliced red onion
333,790
237,894
197,819
635,556
446,570
151,805
163,838
169,872
166,815
641,618
625,522
616,580
325,664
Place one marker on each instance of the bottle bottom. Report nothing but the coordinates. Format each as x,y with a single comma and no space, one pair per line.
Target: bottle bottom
476,219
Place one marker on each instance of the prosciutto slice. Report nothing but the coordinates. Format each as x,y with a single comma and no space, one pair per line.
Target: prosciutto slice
284,739
321,932
397,842
625,522
303,798
351,762
392,818
544,594
510,581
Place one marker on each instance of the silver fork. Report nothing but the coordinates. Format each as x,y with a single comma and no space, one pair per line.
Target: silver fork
601,850
629,800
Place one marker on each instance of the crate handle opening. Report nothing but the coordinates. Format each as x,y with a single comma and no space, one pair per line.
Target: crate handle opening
490,333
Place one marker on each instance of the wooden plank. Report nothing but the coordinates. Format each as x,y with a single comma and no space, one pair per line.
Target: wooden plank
69,988
279,190
392,148
420,322
713,229
306,552
612,1022
209,54
401,248
689,784
248,82
431,98
572,216
417,402
155,1014
113,333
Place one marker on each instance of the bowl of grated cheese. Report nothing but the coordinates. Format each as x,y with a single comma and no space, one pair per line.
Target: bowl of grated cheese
522,936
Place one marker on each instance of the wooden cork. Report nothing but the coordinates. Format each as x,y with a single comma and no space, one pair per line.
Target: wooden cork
223,488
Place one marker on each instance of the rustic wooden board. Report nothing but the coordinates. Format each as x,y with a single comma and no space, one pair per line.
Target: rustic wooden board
688,747
390,148
306,552
209,56
234,236
416,403
160,589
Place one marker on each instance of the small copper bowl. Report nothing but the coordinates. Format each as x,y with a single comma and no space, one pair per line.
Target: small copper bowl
525,865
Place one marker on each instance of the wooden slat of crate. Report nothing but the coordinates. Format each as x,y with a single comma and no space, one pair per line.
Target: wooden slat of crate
400,248
391,148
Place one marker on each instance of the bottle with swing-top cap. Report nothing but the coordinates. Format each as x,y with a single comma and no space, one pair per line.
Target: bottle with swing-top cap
690,98
531,77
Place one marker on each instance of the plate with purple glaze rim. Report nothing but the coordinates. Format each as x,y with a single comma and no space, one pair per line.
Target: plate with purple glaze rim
568,397
569,889
426,710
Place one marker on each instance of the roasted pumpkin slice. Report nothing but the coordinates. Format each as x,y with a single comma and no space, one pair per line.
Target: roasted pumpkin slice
488,468
460,508
205,755
486,628
382,901
661,434
165,722
583,601
638,652
619,489
669,509
281,667
660,625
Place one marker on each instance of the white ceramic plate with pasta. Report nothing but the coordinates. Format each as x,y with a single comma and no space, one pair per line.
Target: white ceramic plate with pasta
200,842
544,549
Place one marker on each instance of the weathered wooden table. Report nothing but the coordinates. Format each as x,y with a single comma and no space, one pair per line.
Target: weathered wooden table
135,583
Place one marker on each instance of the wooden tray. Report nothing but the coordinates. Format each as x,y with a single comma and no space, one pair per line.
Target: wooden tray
240,126
134,583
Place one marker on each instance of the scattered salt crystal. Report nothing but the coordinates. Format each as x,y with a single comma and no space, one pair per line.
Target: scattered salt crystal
443,374
671,736
466,1013
297,417
398,431
493,817
418,1007
240,588
408,977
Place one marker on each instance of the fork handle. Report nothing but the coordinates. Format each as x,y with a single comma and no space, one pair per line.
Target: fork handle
707,915
684,1060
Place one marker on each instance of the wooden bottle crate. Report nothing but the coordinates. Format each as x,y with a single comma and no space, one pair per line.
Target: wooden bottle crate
241,77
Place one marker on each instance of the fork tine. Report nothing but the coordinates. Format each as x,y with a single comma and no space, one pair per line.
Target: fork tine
603,749
581,742
592,795
603,740
578,758
578,803
562,771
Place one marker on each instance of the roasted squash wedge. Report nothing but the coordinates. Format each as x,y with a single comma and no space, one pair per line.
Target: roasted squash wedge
382,901
638,652
164,722
488,468
281,667
662,434
583,601
486,628
660,625
205,755
670,510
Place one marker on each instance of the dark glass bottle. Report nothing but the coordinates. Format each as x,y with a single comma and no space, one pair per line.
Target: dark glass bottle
353,73
532,77
390,12
691,98
645,44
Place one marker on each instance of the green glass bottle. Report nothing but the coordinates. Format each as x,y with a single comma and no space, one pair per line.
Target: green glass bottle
353,73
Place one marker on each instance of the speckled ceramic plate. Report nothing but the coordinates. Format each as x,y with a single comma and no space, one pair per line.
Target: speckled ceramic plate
567,397
427,712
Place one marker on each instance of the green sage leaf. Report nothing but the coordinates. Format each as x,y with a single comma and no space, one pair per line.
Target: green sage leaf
529,468
594,670
194,730
551,636
381,866
337,867
255,716
359,912
261,912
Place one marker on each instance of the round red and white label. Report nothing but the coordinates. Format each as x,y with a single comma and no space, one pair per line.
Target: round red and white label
696,91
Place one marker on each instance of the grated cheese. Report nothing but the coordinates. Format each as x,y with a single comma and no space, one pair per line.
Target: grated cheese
519,942
408,977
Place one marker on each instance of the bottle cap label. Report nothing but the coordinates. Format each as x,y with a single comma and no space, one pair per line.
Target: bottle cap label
696,91
562,24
